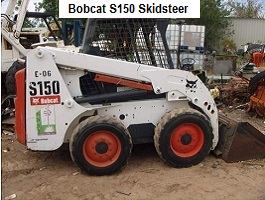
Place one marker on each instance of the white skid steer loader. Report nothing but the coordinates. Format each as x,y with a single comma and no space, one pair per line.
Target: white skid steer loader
102,106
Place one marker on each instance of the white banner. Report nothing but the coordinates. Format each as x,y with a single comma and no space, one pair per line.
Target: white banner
129,9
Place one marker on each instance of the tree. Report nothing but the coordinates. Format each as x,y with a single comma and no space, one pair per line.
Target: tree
52,6
213,13
49,6
29,22
246,9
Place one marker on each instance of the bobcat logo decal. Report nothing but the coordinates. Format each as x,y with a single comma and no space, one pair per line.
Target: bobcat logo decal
191,84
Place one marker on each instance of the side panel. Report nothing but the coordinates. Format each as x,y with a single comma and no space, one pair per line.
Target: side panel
133,112
49,105
141,112
141,117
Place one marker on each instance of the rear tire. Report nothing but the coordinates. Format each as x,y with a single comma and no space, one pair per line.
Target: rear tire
183,137
100,145
10,81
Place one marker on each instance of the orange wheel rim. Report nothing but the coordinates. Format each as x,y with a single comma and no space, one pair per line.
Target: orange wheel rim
102,148
186,140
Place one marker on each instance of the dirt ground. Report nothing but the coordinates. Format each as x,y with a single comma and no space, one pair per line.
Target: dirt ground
28,175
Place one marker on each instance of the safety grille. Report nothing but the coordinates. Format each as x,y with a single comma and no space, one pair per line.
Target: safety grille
134,40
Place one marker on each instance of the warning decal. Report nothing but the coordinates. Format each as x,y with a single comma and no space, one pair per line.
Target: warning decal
46,121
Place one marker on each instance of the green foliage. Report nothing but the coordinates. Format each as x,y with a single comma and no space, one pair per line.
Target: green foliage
243,59
213,13
230,42
52,6
49,6
228,46
30,23
246,9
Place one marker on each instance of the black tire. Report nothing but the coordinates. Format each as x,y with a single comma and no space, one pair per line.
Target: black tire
10,81
183,137
253,83
100,145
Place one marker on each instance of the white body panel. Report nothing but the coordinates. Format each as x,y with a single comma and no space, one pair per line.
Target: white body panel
64,68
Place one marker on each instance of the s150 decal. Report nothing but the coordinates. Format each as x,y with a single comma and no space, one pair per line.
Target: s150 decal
44,88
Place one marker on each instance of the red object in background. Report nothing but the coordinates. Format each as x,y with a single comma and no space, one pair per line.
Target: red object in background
257,58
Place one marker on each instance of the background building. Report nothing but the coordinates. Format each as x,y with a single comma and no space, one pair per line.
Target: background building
247,31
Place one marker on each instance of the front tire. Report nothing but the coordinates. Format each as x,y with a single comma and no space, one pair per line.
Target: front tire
100,145
183,137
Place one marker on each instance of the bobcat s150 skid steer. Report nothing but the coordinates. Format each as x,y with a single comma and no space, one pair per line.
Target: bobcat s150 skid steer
103,106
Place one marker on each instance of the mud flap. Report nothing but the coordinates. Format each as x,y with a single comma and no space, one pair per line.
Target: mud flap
239,141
